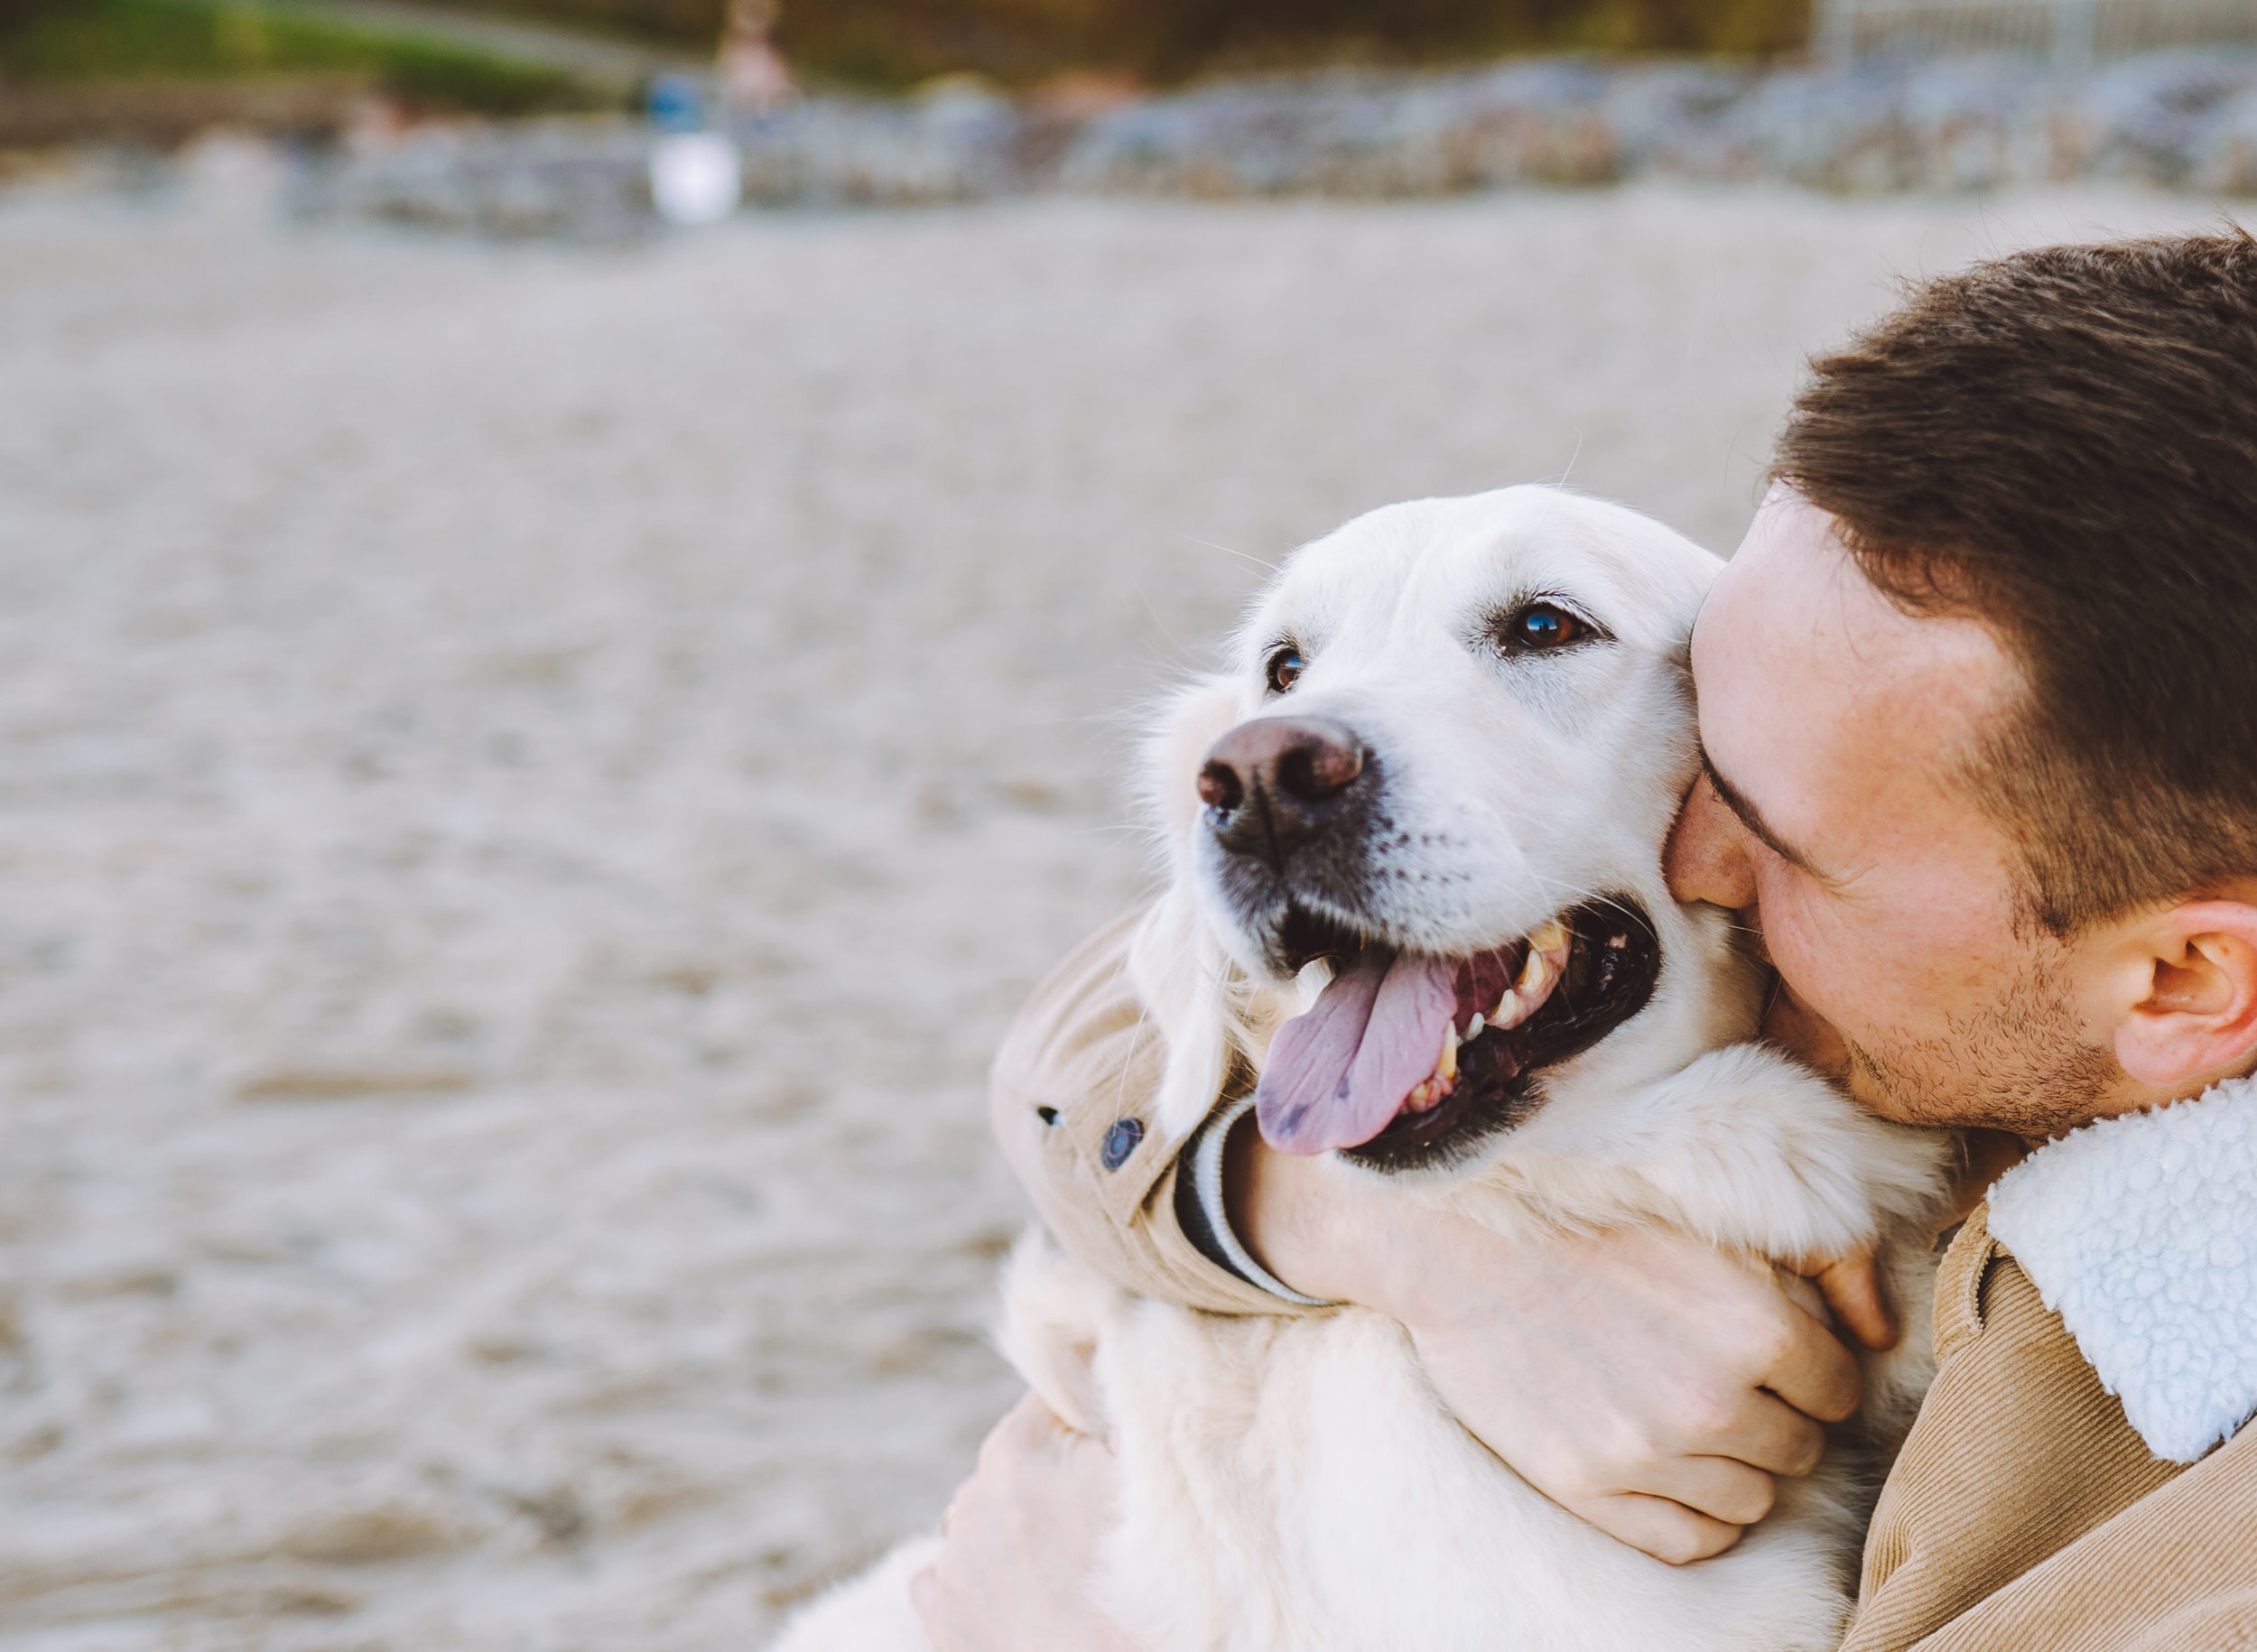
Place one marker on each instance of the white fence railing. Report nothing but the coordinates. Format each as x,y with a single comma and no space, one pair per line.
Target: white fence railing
2072,34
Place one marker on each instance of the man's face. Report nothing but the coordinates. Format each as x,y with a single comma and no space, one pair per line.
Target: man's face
1832,818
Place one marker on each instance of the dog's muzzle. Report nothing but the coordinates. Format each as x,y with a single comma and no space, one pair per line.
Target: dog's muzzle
1274,785
1292,803
1407,1060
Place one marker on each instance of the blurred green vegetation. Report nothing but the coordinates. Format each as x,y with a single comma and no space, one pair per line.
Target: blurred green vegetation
897,43
893,41
110,40
678,22
874,43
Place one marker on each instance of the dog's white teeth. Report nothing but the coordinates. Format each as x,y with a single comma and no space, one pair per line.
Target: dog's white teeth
1429,1095
1314,977
1547,959
1546,962
1522,1001
1473,1028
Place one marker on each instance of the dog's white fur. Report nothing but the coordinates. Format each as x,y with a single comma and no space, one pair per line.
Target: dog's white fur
1291,1484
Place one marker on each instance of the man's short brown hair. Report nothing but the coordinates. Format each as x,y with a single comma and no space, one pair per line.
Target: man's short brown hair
2064,444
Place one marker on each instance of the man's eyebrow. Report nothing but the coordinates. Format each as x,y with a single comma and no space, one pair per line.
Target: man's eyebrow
1752,817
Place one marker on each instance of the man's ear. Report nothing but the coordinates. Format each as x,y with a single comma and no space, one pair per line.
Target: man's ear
2189,998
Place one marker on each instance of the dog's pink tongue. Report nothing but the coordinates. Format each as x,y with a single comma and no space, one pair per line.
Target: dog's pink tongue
1337,1075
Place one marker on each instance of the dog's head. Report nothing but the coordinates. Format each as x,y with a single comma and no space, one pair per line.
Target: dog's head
1415,835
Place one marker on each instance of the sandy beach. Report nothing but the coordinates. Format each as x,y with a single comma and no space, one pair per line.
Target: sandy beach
532,780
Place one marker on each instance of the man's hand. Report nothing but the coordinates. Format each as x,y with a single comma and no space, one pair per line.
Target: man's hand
1020,1543
1640,1378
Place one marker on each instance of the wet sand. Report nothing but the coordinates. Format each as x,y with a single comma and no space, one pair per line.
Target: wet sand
531,781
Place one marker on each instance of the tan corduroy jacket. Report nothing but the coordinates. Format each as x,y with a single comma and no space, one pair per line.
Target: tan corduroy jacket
2024,1512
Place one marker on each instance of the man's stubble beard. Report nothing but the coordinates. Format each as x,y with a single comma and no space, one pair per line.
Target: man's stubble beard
2018,1064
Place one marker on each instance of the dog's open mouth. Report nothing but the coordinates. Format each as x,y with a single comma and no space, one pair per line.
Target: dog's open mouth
1406,1055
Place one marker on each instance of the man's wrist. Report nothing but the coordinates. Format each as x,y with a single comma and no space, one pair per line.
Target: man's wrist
1318,1229
1203,1207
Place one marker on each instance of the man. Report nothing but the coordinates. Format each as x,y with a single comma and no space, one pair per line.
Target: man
1979,701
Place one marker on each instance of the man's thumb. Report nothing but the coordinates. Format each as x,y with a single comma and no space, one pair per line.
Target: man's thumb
1851,1287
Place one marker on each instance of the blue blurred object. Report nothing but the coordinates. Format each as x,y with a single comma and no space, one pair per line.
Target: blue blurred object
675,103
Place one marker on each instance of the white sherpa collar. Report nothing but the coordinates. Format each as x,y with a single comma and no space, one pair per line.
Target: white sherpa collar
2141,1233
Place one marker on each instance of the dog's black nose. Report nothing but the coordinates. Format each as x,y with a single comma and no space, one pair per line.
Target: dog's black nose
1271,780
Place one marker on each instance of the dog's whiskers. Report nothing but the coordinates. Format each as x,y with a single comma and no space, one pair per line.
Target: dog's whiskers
1226,550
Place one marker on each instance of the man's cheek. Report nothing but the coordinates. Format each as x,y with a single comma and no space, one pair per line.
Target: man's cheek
1829,970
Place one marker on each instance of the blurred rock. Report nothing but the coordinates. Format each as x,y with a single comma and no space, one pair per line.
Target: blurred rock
2146,120
2181,118
235,173
1545,121
2226,157
1957,124
957,141
570,179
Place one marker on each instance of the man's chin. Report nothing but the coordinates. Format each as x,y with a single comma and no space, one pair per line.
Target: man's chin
2026,1071
2059,1089
1887,1093
1880,1087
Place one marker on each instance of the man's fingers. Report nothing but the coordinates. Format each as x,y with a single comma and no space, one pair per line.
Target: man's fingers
1019,1540
1030,1422
1852,1289
1029,1431
1809,1369
1663,1529
1723,1489
936,1608
1764,1432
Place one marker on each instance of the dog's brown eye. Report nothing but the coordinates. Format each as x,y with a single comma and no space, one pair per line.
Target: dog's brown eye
1541,627
1283,668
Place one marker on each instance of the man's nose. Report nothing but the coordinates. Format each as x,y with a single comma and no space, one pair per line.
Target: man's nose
1707,856
1271,783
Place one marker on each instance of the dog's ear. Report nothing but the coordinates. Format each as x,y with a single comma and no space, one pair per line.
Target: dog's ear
1184,977
1184,981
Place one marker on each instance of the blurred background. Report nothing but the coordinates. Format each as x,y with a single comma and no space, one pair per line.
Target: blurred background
576,585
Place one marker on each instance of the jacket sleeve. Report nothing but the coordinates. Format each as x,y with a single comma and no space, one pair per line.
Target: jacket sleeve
1071,1099
2227,1623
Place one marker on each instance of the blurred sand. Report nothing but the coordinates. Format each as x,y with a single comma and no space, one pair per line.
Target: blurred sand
529,782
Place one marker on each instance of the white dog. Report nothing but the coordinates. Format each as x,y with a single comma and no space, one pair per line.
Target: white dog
1414,853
